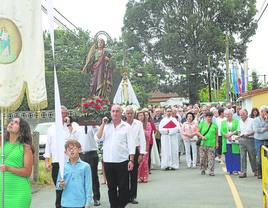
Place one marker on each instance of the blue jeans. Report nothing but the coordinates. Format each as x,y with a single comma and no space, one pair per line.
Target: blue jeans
258,144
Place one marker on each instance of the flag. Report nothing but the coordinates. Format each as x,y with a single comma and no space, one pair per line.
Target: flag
58,116
246,76
234,79
239,81
243,79
22,68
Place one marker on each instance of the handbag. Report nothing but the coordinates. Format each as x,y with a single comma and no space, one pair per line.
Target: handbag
198,142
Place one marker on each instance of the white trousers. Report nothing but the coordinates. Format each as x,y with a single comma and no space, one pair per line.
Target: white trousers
188,144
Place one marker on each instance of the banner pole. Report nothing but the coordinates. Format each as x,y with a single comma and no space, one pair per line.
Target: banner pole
3,156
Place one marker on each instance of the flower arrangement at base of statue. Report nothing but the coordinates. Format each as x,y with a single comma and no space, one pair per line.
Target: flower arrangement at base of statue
91,110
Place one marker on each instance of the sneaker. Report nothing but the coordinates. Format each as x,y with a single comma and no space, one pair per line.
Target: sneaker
203,172
242,175
211,174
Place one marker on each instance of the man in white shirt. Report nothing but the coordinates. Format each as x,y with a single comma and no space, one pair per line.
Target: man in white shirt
89,154
140,143
118,156
51,152
246,143
169,129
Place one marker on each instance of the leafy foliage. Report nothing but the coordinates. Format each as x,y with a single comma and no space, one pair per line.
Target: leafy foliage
181,34
70,50
255,81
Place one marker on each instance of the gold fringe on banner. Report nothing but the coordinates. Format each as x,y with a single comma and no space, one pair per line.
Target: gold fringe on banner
15,105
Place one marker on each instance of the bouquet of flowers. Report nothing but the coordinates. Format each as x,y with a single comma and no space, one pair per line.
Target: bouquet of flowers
94,109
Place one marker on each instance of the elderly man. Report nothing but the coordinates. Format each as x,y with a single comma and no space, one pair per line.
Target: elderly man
246,143
260,126
118,156
140,143
169,129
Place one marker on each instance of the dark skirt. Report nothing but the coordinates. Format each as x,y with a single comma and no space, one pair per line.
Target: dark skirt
232,160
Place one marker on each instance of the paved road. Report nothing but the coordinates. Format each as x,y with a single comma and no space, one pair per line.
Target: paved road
184,188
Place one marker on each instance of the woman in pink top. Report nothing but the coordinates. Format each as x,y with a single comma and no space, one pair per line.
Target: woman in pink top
143,171
188,132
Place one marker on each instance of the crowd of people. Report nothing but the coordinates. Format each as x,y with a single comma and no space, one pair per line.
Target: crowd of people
134,142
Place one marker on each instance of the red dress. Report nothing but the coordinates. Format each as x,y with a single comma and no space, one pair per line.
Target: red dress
143,171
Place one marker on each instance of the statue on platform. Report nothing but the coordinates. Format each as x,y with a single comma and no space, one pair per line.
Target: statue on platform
99,63
125,94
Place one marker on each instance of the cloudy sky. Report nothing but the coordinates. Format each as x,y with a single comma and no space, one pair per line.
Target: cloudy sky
96,15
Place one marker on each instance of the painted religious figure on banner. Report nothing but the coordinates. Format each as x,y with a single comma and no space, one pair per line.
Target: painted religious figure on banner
10,41
100,65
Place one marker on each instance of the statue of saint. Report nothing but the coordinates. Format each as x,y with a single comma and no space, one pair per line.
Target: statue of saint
99,64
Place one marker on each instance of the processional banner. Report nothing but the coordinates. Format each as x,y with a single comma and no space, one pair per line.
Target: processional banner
22,68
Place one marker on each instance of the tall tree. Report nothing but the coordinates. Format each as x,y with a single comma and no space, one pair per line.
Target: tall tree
181,34
255,81
71,49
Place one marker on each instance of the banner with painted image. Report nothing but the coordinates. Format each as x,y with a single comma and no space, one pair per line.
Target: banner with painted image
22,68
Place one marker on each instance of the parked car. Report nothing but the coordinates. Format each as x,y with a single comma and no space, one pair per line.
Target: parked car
42,129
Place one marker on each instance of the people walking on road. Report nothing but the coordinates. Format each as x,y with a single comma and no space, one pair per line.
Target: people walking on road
208,132
260,126
118,156
219,121
143,172
246,143
70,130
150,124
89,154
17,169
188,132
76,184
230,146
140,144
169,129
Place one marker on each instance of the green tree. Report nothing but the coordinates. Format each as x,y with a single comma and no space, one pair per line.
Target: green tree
255,81
181,34
70,49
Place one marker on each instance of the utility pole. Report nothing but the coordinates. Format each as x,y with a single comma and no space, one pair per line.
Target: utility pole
227,70
209,81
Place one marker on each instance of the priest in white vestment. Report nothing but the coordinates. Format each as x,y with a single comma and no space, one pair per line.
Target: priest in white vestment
169,129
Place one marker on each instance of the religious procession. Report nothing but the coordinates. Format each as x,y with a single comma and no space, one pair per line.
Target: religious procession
167,108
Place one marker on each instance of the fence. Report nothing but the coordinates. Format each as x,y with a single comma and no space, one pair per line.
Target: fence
35,117
264,159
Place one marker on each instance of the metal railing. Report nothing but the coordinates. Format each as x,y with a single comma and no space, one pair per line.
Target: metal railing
264,159
35,117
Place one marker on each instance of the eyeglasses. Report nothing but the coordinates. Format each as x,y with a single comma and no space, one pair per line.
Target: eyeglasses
72,148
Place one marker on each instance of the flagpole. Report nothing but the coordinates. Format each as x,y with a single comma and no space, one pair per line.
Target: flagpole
3,155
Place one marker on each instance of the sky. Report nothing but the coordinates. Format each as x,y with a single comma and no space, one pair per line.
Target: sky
107,15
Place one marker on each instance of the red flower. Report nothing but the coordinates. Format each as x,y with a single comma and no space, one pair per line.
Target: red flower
100,96
98,101
106,101
98,107
84,111
91,103
86,105
84,99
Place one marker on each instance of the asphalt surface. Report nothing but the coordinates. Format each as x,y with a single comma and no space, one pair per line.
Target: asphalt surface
184,188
